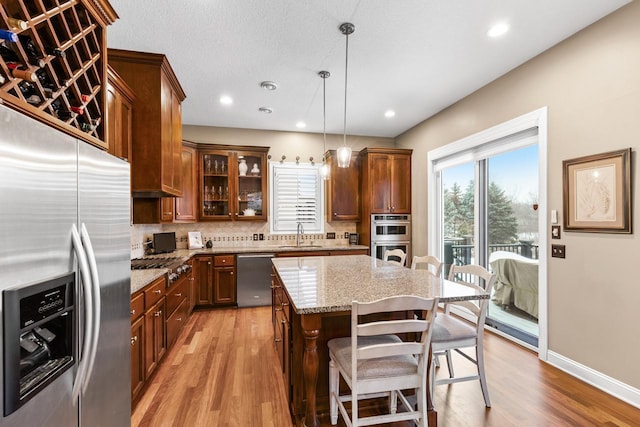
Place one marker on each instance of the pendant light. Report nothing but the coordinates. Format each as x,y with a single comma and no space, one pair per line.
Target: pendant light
344,152
324,171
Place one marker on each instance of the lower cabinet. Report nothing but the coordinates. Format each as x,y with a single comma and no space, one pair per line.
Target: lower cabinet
215,277
154,337
281,318
158,314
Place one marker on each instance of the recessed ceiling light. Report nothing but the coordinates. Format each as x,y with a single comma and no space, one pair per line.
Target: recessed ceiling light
301,125
498,29
265,110
389,113
268,85
226,100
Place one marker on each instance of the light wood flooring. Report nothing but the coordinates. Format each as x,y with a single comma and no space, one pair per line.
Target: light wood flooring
223,371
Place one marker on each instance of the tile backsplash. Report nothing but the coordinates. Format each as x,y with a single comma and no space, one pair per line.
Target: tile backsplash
233,234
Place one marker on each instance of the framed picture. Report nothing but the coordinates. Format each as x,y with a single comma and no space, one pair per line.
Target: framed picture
597,193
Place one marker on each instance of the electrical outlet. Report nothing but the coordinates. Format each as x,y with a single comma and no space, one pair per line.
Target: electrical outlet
331,235
346,234
255,237
261,236
557,251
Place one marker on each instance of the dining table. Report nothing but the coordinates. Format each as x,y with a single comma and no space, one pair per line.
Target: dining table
320,291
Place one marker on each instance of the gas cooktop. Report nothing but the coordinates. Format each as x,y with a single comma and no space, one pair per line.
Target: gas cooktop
148,263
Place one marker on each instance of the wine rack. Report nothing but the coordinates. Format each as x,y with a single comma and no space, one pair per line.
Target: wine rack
53,62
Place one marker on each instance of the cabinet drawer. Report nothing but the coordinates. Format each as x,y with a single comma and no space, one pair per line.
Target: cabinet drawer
176,321
154,291
175,295
137,307
224,260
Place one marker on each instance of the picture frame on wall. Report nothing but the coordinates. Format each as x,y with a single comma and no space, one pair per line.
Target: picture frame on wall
597,193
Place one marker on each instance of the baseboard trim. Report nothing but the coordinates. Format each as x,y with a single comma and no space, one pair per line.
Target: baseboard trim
597,379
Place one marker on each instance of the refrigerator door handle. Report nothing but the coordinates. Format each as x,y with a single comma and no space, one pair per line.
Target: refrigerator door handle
83,267
96,303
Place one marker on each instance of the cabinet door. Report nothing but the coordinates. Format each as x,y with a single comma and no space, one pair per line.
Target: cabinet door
343,194
167,205
203,275
216,187
154,337
250,203
186,206
176,142
400,184
137,357
225,285
379,183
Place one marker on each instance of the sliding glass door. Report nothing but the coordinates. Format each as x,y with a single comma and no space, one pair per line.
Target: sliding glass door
489,212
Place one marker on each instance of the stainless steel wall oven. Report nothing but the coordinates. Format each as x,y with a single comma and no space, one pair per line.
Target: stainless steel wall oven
390,231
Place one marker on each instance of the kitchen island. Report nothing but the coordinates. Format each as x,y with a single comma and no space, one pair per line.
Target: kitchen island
312,299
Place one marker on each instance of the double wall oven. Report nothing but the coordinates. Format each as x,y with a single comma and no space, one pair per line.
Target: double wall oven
390,231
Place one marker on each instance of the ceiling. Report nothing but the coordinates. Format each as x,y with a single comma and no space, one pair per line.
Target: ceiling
415,57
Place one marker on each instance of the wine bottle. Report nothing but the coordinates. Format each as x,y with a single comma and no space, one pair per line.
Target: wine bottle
77,109
8,35
20,72
55,51
18,24
33,54
8,55
2,79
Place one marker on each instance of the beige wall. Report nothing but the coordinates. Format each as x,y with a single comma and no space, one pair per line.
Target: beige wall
591,85
289,144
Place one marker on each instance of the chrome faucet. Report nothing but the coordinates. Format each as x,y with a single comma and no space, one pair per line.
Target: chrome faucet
299,233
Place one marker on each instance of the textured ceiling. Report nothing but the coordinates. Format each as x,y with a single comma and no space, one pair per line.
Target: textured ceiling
415,57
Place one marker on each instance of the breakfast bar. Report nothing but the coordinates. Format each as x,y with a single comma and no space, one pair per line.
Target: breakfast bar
312,299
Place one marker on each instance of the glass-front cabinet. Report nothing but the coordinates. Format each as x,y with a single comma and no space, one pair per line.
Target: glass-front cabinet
233,184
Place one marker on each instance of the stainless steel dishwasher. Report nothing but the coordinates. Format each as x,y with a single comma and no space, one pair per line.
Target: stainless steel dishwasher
254,279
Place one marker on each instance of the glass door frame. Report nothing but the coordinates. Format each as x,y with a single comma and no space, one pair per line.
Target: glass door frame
495,139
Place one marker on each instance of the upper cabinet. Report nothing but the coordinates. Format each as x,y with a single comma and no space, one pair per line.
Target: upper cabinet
233,183
341,190
386,180
53,65
120,99
156,164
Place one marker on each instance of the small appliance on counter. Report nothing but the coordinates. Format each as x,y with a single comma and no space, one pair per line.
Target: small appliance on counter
164,242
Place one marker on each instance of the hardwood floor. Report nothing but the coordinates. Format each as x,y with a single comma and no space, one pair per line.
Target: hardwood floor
223,371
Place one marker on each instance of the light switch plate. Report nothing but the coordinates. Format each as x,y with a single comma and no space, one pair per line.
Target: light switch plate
331,235
557,251
554,216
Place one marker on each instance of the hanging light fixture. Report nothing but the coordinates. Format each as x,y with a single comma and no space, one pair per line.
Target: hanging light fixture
324,170
344,152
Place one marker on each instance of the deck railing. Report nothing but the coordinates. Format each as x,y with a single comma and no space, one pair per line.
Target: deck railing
462,254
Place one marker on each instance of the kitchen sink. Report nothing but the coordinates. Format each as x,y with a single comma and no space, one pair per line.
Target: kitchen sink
299,247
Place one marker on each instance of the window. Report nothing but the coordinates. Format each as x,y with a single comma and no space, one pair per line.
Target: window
297,196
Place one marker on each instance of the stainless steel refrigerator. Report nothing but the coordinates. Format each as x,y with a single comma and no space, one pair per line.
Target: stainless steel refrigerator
64,220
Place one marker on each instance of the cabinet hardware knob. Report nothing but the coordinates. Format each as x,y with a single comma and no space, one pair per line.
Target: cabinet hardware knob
285,304
224,260
133,312
157,291
179,295
231,274
335,214
158,313
191,279
283,321
179,319
209,263
229,213
278,340
278,309
134,339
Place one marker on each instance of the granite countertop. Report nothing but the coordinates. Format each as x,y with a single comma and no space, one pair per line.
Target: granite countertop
330,284
141,278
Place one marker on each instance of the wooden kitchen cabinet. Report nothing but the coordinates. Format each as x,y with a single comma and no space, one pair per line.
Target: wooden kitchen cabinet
154,326
137,357
386,180
342,192
157,122
281,319
173,209
120,100
203,276
224,280
186,207
226,193
137,345
215,279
